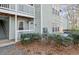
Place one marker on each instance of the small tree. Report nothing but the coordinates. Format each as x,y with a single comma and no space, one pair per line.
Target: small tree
72,13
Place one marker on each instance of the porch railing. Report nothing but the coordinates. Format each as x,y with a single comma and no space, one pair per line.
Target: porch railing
21,8
10,7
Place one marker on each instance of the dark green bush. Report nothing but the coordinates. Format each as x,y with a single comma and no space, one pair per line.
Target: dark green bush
67,41
28,38
25,38
58,40
51,36
61,40
75,37
35,36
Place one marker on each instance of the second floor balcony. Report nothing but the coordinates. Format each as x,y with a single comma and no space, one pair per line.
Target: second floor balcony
21,9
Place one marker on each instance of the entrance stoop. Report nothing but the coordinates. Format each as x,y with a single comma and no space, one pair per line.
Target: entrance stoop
6,42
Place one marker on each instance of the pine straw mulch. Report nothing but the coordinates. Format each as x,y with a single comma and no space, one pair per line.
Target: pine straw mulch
37,48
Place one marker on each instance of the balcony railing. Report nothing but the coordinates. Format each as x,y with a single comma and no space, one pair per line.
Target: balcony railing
21,8
8,7
25,9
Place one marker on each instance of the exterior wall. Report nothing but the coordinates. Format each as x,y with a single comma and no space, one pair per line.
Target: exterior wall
44,18
37,18
50,19
28,28
59,18
57,22
47,17
64,23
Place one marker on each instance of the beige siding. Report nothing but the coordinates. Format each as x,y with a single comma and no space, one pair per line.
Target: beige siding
47,17
37,18
26,26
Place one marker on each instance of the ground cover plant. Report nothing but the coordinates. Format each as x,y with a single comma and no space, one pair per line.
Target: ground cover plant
34,43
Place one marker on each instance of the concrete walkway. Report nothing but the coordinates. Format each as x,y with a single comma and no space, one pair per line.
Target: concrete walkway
10,50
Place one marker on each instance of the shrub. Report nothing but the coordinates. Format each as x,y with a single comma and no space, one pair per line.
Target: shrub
51,36
28,38
25,38
61,40
67,41
58,40
75,37
35,36
47,38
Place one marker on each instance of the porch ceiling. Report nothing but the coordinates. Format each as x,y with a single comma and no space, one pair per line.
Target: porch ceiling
7,14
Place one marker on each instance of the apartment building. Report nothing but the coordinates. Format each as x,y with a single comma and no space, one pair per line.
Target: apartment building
47,18
16,19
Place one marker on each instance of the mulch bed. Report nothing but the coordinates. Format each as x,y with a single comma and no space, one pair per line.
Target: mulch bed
37,48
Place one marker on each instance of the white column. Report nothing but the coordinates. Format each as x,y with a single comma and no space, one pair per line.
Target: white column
41,20
34,20
9,26
16,33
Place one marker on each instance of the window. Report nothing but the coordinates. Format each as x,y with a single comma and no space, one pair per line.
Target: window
55,29
21,26
45,30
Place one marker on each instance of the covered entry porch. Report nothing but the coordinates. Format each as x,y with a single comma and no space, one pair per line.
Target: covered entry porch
7,27
5,31
4,27
12,26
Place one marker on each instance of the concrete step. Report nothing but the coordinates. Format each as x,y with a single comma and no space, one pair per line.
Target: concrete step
6,42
